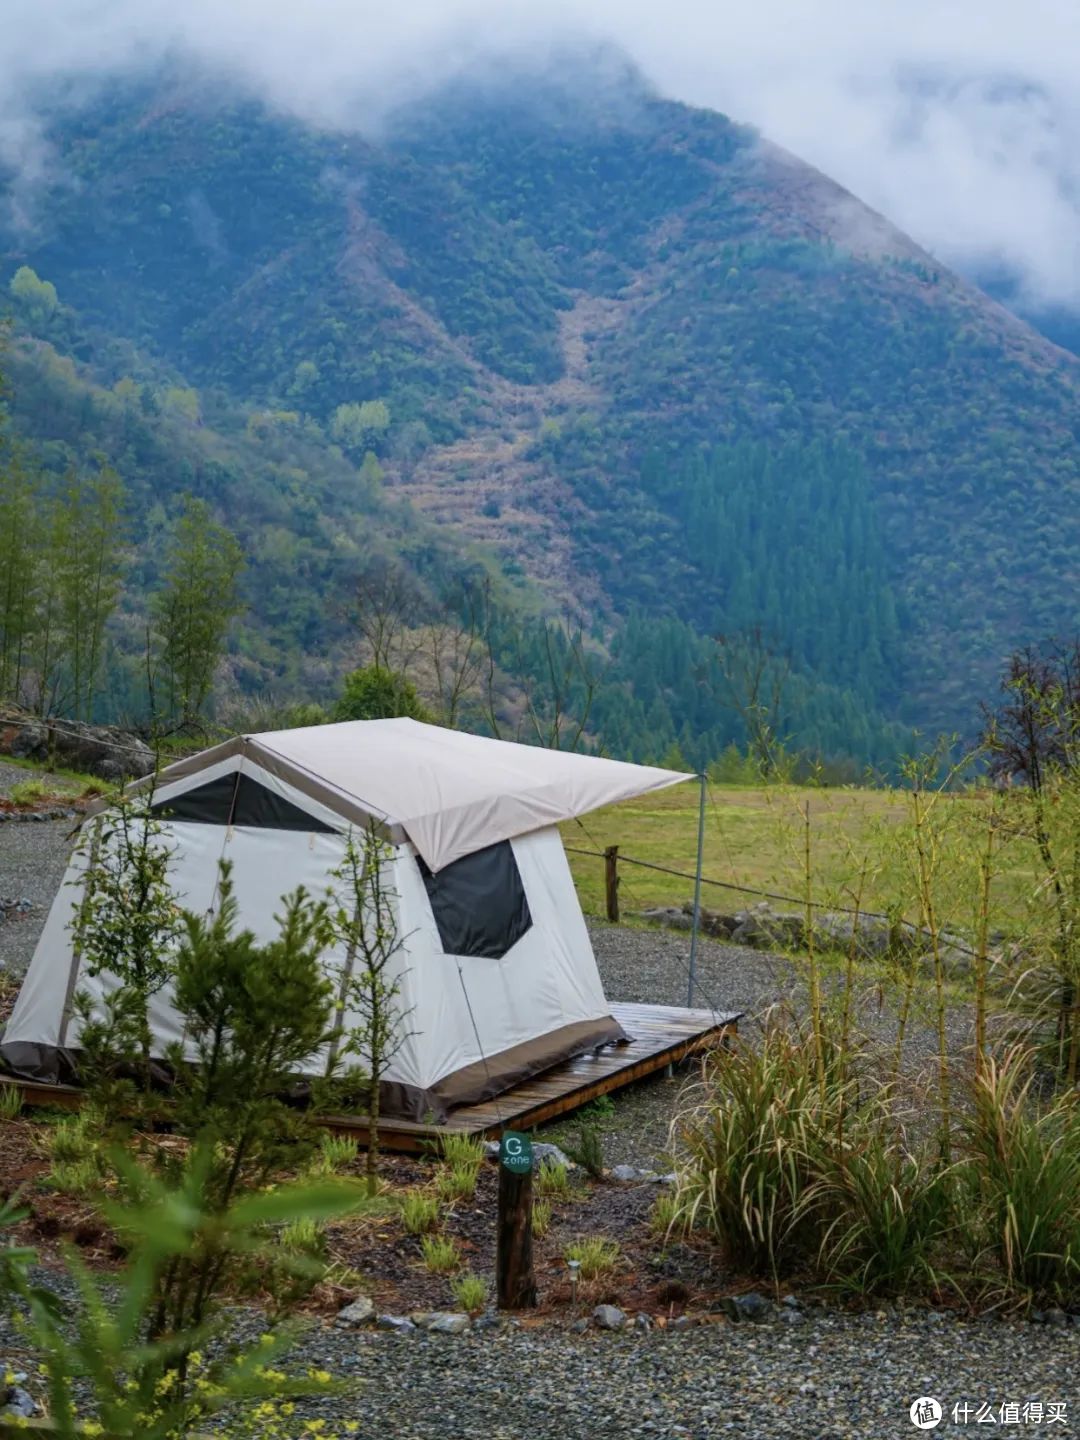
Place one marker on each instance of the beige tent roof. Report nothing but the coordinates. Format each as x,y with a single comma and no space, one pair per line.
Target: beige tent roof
449,792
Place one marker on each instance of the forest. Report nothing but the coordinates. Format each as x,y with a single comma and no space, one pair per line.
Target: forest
625,374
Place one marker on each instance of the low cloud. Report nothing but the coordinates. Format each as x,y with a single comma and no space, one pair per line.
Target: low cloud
960,121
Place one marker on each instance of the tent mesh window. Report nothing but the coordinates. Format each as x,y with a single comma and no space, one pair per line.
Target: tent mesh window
479,902
236,799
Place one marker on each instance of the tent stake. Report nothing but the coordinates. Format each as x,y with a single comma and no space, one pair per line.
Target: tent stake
697,894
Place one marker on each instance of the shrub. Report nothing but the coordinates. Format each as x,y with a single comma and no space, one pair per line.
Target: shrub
470,1291
553,1179
110,1364
595,1255
587,1150
125,927
441,1255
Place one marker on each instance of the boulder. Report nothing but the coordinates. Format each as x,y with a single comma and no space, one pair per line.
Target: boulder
101,750
609,1317
766,929
359,1312
542,1151
399,1324
670,916
630,1173
17,1403
752,1307
447,1322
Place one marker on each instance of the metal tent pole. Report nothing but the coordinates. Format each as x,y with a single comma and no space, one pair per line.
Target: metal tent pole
697,894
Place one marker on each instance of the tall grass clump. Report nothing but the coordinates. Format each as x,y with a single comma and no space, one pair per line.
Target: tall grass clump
419,1212
751,1147
892,1213
1024,1174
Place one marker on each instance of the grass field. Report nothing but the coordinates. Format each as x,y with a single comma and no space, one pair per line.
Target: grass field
755,837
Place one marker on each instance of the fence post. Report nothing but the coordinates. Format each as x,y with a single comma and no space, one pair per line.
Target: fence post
611,882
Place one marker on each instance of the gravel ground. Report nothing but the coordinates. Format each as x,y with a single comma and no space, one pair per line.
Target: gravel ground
824,1377
33,857
821,1380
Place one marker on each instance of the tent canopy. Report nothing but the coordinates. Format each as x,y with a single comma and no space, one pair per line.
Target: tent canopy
449,793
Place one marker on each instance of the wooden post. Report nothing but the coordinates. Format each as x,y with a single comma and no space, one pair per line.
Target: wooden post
611,882
515,1282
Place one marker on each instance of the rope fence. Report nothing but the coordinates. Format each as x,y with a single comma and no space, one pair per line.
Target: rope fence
612,856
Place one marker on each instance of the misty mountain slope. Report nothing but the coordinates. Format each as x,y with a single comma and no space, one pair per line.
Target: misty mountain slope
659,366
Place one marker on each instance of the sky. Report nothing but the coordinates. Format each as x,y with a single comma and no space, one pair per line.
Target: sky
958,119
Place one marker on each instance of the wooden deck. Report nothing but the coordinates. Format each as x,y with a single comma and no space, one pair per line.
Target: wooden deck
660,1035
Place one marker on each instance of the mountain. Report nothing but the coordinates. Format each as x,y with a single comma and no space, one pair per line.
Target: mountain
654,370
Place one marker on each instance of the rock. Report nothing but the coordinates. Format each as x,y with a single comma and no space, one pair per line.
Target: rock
792,1317
643,1322
449,1323
541,1151
400,1324
681,1322
609,1317
552,1153
28,740
359,1312
19,1403
1055,1316
579,1327
752,1307
765,928
792,1302
101,750
630,1172
490,1320
670,916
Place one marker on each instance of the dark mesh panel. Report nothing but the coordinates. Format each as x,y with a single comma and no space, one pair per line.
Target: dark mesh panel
239,801
479,902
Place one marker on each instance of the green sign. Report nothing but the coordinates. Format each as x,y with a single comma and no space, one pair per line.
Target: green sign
516,1152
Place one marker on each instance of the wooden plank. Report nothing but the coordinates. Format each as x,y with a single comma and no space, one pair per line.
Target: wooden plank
660,1035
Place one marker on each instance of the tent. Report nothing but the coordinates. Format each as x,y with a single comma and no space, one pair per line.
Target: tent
495,970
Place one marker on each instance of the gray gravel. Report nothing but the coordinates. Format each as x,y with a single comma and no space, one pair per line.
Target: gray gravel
33,858
652,965
824,1377
834,1377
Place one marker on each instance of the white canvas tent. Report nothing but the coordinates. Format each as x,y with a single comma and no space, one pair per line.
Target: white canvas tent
496,972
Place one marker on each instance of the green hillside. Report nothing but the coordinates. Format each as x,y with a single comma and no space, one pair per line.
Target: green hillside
658,373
